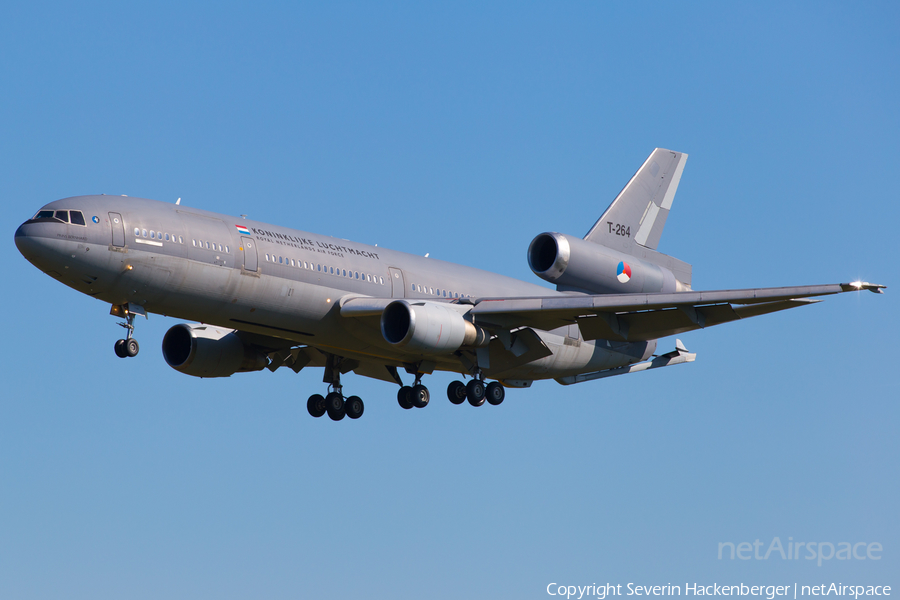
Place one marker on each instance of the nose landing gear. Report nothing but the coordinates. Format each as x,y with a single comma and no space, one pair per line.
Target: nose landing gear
128,347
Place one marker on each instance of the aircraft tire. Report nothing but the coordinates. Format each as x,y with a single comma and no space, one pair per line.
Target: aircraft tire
354,407
404,397
495,393
120,349
334,405
316,405
456,392
131,347
420,396
475,392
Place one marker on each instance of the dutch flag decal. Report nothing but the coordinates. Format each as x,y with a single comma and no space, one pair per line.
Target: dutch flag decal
623,272
242,229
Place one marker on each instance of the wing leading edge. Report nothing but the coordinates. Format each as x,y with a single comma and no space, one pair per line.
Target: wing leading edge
639,317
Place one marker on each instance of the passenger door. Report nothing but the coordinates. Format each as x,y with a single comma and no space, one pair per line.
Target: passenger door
117,224
251,258
398,287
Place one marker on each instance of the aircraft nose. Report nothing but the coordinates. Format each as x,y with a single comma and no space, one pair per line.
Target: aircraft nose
25,242
32,241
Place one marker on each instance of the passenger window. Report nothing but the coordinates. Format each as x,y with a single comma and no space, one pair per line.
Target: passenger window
137,232
382,280
207,245
281,259
152,235
77,217
319,268
143,233
227,249
194,242
267,258
63,215
180,240
167,237
414,287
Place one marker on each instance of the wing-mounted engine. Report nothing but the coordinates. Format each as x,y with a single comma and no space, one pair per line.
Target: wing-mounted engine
429,328
576,264
206,351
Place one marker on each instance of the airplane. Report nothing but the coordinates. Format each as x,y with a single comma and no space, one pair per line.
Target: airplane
266,296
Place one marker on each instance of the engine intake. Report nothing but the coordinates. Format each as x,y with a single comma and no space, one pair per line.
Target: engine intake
206,351
573,263
429,328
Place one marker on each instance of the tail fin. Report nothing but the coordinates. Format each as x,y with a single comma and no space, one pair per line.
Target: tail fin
638,214
634,221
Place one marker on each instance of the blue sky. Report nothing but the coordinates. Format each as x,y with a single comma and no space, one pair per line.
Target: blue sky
460,130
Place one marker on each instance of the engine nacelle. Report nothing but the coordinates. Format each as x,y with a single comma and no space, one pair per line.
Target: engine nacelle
575,263
207,351
429,328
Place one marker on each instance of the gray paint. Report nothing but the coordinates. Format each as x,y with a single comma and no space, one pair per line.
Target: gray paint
276,287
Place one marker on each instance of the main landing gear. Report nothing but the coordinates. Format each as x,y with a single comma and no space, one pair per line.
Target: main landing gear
335,405
476,392
128,347
334,402
416,395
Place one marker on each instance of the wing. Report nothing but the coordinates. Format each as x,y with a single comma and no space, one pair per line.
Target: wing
638,317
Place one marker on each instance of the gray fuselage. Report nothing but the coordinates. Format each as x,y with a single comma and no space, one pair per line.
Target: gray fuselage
272,281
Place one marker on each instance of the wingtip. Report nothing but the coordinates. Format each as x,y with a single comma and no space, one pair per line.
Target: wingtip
855,286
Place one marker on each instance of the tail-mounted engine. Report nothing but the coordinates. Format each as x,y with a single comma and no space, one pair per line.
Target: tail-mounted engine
206,351
573,263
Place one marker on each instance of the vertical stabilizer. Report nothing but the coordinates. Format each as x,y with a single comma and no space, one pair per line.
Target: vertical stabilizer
638,214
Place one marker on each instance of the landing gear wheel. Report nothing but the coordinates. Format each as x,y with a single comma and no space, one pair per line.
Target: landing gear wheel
131,347
404,397
120,349
475,392
495,393
334,405
456,392
420,396
316,405
354,407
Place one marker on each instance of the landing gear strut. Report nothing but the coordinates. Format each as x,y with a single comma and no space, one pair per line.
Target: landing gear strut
128,347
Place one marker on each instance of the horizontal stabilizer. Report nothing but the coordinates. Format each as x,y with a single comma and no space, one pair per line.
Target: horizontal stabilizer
678,356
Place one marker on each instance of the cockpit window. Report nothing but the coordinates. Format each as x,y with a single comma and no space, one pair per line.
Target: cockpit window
60,216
